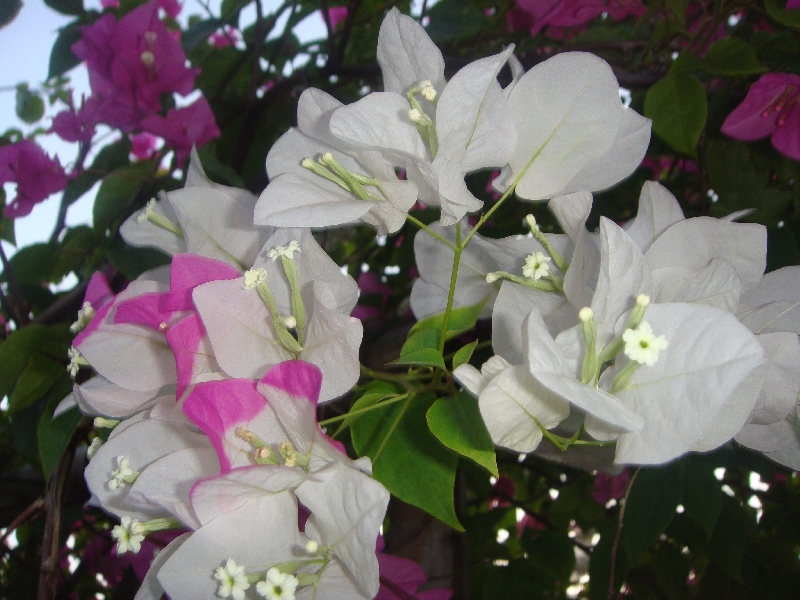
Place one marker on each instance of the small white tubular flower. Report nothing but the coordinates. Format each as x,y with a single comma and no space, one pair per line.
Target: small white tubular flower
278,586
146,211
492,277
536,265
290,322
76,361
312,547
127,539
122,474
642,345
415,115
93,448
586,314
232,580
427,90
85,315
254,277
287,251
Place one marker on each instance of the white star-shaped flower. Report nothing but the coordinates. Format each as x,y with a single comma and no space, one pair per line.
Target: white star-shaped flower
642,345
127,539
232,580
278,586
287,251
536,265
254,277
122,474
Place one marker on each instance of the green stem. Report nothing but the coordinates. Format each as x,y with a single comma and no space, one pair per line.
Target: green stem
452,291
359,411
430,231
401,378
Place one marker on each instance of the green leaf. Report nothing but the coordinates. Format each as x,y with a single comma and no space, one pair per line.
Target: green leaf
462,319
62,58
421,348
54,434
38,377
727,544
29,105
458,424
411,462
650,508
463,355
21,345
453,19
702,496
731,57
132,262
199,32
9,9
66,7
34,263
678,107
777,10
551,552
117,193
365,401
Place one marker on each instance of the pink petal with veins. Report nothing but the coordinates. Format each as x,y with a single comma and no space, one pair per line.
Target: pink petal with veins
219,407
148,310
192,349
297,378
756,117
187,272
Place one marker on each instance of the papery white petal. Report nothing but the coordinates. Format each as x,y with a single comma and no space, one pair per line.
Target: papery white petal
571,211
778,397
658,210
230,491
347,509
692,244
509,404
167,482
716,284
143,444
407,55
380,121
261,532
620,160
146,234
151,588
239,327
216,225
710,353
109,400
291,201
332,343
778,441
471,379
624,275
513,304
575,99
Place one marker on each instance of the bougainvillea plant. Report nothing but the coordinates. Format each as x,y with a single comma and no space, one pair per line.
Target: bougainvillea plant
479,300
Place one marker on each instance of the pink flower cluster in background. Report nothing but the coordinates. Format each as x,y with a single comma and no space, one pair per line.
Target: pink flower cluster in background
770,109
559,15
133,62
36,175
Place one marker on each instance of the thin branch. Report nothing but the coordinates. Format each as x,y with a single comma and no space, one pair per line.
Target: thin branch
326,16
615,547
260,34
347,29
54,501
31,512
67,197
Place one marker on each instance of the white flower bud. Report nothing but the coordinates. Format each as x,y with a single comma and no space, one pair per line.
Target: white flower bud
415,115
290,322
492,277
93,448
148,58
312,547
586,314
643,300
